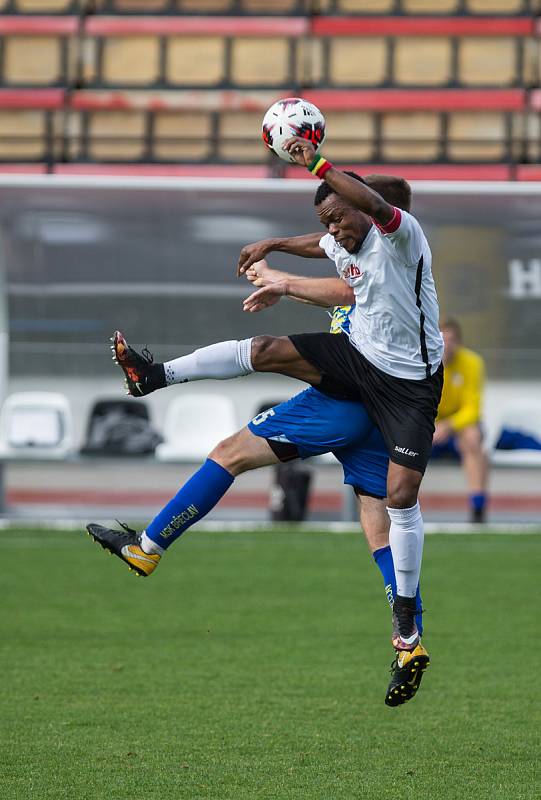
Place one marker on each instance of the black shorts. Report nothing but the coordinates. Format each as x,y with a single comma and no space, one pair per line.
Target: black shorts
404,410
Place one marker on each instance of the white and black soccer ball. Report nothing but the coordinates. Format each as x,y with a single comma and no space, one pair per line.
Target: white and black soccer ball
289,117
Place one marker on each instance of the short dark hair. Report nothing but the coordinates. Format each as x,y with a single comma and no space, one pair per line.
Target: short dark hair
393,189
452,324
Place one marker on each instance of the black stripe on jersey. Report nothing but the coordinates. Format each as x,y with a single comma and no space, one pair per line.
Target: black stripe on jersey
422,336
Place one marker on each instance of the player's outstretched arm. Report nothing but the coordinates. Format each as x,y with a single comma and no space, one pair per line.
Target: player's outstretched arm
306,246
320,291
260,274
354,192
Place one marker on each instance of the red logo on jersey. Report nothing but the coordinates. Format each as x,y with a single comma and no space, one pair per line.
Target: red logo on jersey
353,271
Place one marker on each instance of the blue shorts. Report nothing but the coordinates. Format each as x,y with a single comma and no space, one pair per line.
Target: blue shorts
312,423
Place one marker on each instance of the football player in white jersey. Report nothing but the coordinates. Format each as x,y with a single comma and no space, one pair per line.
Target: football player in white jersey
392,358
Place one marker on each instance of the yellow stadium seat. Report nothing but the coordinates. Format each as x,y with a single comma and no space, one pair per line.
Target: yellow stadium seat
43,6
364,6
422,61
240,137
495,6
22,134
33,60
430,6
528,128
309,67
263,6
208,6
411,137
351,136
130,60
357,61
181,136
141,6
487,61
116,135
195,60
260,62
71,133
530,62
476,136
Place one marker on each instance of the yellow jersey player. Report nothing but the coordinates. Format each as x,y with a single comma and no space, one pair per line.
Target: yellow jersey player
458,424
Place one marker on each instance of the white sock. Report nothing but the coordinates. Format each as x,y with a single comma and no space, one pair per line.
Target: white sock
406,538
219,361
149,546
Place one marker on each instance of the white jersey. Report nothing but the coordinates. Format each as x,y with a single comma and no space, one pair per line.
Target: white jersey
395,324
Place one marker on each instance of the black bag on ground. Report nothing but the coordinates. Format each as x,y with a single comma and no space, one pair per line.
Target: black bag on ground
120,428
289,493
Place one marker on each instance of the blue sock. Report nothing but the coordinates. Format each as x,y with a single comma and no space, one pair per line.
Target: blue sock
478,501
190,504
384,559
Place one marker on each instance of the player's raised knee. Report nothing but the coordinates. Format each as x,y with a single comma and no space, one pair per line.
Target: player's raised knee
264,351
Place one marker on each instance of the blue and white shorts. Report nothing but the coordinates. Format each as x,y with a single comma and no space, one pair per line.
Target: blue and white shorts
312,423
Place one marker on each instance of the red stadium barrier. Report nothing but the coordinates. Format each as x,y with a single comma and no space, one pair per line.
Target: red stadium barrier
23,169
528,172
329,99
36,26
422,26
416,99
197,26
32,98
183,100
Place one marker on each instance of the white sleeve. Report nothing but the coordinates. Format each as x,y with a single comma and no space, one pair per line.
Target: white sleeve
328,244
405,234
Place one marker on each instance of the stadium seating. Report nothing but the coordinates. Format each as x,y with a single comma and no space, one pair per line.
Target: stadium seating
36,425
194,423
420,81
30,124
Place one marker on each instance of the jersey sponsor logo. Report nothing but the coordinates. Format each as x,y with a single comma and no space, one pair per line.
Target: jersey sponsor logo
353,271
406,451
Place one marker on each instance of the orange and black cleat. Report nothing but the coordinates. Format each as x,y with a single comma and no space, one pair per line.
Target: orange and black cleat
142,375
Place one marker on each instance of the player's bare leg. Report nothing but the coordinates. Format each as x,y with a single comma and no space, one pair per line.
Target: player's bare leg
474,460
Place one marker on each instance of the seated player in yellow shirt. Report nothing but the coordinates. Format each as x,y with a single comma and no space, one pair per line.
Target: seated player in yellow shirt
458,424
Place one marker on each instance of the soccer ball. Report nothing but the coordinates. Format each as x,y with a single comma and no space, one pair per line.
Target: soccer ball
289,117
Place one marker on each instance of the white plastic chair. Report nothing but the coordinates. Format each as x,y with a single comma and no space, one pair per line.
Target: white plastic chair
36,425
525,417
194,424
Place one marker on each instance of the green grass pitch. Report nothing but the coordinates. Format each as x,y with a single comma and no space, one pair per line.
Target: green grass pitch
254,665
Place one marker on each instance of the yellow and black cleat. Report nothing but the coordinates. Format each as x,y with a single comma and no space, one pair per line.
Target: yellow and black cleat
407,671
126,544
